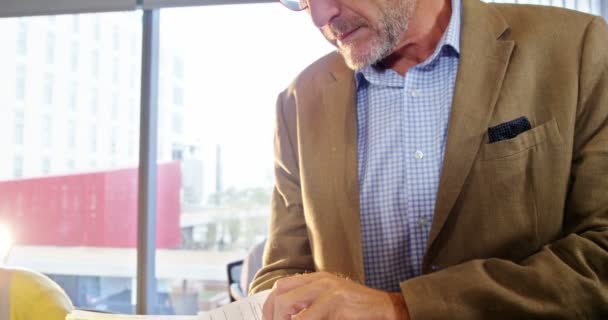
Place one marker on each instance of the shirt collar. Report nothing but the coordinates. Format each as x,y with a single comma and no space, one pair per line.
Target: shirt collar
448,45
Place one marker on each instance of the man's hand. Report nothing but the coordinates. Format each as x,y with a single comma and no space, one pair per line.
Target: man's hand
321,295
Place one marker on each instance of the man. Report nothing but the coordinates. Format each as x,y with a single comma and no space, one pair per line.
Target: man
451,162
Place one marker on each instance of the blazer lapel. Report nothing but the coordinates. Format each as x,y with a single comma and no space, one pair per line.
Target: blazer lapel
483,64
339,104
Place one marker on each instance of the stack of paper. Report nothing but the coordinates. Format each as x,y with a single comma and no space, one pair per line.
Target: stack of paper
85,315
249,308
246,309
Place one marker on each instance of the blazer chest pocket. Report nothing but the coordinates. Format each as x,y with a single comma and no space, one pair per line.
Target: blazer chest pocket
544,133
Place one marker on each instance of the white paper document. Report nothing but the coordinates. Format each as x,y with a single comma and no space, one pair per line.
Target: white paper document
86,315
249,308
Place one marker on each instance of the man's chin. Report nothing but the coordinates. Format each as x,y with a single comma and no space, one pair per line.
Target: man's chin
358,61
362,55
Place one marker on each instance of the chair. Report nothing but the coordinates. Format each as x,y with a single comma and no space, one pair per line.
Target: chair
242,272
234,270
28,295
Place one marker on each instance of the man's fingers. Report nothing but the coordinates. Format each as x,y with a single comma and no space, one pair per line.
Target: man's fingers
303,291
287,284
268,308
294,301
321,308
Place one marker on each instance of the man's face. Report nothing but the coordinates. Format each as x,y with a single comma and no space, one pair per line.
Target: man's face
364,31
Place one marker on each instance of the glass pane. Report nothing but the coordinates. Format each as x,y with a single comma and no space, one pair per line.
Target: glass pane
68,170
221,69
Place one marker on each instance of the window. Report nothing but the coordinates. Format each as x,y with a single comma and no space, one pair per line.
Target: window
114,142
72,134
18,166
178,96
178,68
46,166
50,47
177,123
75,24
71,165
49,82
19,127
97,29
68,188
116,38
94,101
93,138
22,37
73,98
131,150
115,106
222,133
74,54
20,83
47,131
95,64
116,71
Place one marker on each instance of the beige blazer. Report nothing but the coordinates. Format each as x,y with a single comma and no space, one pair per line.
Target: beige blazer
520,228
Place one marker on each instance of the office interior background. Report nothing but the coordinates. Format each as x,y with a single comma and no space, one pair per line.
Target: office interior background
93,90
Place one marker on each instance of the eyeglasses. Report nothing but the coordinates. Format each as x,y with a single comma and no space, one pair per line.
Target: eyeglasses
295,5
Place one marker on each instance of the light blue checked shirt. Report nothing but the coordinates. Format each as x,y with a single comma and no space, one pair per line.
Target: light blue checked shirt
403,124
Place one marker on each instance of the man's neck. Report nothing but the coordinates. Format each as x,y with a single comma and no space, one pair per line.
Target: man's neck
429,23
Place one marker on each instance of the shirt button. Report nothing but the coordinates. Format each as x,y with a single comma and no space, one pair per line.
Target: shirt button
418,155
414,93
423,222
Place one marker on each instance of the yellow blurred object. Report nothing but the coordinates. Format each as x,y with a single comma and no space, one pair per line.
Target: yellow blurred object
28,295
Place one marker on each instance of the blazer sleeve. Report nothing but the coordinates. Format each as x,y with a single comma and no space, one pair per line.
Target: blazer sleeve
287,250
567,279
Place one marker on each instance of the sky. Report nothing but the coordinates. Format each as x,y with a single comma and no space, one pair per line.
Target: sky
237,59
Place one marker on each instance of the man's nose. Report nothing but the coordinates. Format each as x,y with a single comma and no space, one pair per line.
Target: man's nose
323,11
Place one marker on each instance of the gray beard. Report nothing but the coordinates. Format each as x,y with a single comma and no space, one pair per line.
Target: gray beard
394,24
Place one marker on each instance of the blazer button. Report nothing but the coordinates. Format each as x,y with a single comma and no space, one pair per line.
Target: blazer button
435,267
